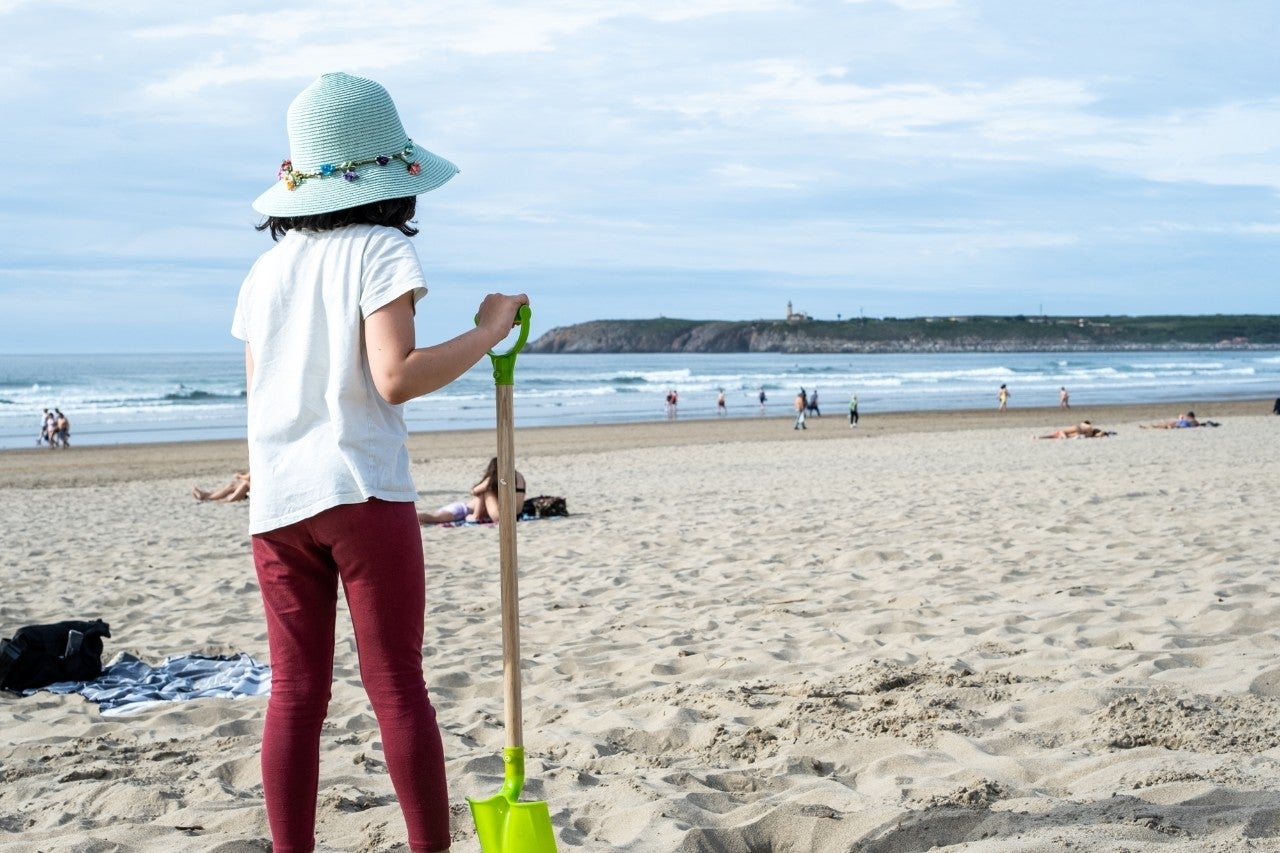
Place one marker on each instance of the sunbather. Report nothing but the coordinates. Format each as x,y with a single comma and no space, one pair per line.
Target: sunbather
1181,422
236,490
1084,429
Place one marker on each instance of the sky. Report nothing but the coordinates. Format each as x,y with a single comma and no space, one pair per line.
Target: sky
700,159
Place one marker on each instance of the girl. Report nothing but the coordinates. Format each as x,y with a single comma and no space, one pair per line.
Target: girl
327,319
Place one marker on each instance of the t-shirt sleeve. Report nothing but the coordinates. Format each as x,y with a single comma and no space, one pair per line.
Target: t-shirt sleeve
240,320
391,269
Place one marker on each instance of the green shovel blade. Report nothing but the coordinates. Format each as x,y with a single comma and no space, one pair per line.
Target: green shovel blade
505,825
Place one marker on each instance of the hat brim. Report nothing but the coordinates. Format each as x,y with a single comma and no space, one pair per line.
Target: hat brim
374,183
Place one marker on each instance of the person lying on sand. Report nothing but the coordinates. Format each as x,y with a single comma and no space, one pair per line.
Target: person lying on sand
236,490
1084,429
1181,422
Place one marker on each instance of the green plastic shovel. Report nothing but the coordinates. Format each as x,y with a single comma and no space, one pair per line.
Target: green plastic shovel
503,824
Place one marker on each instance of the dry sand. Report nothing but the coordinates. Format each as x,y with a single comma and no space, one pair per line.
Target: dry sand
929,632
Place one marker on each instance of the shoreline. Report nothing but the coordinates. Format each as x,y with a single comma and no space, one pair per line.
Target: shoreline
214,459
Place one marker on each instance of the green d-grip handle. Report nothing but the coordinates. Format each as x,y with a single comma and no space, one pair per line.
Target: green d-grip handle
504,364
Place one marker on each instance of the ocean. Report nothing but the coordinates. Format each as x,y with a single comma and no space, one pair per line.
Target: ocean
126,399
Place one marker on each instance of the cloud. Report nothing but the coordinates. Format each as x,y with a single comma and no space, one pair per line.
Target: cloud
915,5
278,44
776,93
940,150
1052,121
1233,143
1244,229
740,176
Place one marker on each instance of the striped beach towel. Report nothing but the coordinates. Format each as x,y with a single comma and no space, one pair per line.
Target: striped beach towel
128,685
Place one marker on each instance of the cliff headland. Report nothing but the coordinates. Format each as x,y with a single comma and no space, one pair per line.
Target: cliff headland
916,334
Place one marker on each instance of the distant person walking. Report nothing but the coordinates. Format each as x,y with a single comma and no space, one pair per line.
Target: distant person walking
801,404
43,434
49,430
853,411
812,405
1003,396
61,428
763,399
721,408
1064,399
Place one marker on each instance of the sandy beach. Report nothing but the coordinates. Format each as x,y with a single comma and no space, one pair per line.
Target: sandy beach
927,632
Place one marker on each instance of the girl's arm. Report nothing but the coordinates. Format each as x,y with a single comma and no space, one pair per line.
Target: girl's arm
402,372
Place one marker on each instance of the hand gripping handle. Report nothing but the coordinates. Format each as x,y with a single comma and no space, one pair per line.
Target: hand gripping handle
504,364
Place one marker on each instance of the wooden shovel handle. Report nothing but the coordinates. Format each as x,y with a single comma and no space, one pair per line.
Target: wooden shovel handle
507,512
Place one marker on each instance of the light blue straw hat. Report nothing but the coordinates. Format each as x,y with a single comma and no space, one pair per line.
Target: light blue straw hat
347,147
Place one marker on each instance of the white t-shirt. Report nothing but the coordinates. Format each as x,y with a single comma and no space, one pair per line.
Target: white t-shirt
320,434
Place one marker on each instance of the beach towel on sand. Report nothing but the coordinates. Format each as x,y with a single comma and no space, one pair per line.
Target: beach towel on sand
543,506
521,518
127,684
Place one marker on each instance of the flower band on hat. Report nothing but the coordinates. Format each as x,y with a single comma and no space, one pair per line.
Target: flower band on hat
294,177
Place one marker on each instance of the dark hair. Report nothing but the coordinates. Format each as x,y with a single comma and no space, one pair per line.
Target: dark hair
491,474
393,213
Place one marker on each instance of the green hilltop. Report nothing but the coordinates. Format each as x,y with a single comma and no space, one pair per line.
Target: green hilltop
977,333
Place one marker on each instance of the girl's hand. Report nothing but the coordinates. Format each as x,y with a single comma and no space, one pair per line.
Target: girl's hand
497,314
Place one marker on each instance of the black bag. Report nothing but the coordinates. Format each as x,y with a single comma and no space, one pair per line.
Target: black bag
544,506
39,655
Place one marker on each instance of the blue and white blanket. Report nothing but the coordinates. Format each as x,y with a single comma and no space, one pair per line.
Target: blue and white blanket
128,685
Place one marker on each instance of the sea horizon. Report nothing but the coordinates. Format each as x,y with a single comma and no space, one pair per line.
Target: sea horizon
132,398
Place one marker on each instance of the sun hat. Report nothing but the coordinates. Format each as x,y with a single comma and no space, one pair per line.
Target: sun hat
347,147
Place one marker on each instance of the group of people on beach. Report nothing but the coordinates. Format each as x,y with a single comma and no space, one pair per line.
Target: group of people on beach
1002,397
481,506
805,404
673,403
55,429
1085,429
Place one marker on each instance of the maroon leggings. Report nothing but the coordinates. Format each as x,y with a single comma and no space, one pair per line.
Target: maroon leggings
375,548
